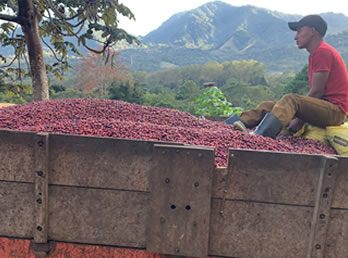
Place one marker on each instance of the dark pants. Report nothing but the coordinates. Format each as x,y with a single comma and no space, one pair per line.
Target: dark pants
311,110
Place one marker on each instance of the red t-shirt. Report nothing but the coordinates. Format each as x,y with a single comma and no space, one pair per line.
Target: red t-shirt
326,58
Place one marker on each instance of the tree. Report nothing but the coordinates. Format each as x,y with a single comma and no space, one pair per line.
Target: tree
188,91
212,72
212,102
126,90
58,21
162,99
94,75
299,84
15,93
249,71
245,95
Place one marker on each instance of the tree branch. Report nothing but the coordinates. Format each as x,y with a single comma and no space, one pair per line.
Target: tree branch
9,18
52,50
14,59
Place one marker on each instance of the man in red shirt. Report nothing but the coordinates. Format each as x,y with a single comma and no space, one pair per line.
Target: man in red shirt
326,103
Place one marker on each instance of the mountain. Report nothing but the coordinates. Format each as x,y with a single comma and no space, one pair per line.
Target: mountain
222,32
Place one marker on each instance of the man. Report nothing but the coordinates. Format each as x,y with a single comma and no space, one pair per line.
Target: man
326,103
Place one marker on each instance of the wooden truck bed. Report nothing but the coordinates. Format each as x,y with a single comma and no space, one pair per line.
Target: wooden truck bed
105,197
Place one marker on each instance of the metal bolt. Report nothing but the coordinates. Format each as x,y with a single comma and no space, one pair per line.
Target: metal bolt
40,143
39,228
167,180
177,151
177,250
39,173
196,184
39,201
200,155
163,152
325,195
317,246
188,153
322,216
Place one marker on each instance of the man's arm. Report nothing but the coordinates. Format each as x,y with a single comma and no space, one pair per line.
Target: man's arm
319,80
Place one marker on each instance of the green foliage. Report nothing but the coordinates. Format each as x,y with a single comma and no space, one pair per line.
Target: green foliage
212,102
15,93
163,99
126,90
188,91
69,94
67,81
245,95
186,106
64,25
278,81
242,82
57,88
299,84
249,71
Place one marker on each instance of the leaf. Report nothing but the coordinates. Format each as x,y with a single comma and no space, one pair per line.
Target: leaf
109,16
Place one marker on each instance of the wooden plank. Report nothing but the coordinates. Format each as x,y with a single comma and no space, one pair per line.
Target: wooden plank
284,178
16,156
321,214
181,182
98,216
100,162
40,173
16,209
340,199
261,230
337,236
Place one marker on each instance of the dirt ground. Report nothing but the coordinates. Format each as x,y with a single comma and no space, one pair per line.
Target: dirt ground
5,104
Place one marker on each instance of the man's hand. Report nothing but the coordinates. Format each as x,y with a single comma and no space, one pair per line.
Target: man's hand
295,125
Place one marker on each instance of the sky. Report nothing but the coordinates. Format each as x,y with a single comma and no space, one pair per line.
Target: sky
150,14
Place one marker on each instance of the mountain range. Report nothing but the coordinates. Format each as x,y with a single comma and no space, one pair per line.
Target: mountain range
220,32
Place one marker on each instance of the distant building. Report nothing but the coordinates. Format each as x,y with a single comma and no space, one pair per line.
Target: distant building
208,84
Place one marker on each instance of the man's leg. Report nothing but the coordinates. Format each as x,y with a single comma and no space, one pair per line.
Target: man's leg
314,111
252,117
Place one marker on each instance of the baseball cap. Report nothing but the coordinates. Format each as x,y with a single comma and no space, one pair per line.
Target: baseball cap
313,21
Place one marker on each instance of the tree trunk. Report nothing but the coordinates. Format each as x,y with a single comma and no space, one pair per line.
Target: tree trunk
29,21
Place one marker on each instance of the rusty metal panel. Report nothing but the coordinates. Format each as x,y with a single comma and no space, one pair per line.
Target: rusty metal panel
98,216
285,178
20,248
16,209
340,199
100,162
337,236
262,230
16,156
181,182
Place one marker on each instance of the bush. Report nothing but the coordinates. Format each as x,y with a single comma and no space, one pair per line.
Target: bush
212,102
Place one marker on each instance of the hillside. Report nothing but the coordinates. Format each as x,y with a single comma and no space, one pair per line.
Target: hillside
222,32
